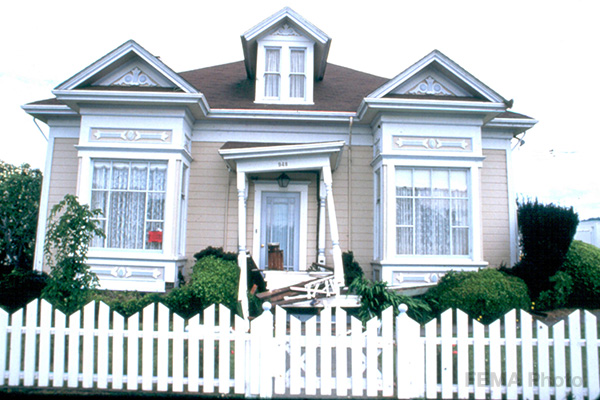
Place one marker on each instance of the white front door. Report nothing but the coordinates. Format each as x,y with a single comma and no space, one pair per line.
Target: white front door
280,223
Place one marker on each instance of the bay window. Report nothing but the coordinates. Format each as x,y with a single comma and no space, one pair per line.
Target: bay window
432,211
131,196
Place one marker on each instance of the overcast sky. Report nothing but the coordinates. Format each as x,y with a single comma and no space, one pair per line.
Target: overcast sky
542,54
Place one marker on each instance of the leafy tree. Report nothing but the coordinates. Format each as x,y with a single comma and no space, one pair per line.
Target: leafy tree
19,203
71,227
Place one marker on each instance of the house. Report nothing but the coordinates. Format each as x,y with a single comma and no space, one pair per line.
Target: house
283,153
589,231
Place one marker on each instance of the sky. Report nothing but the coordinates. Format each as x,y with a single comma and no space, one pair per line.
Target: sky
542,54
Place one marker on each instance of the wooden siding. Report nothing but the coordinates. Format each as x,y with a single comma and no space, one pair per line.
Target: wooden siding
494,208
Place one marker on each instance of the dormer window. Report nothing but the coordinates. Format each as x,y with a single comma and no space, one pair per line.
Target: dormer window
285,68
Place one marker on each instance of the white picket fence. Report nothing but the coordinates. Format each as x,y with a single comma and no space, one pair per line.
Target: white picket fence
328,354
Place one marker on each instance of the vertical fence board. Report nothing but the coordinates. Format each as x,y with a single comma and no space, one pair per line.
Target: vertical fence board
431,362
372,347
591,341
44,361
14,365
543,361
410,358
526,356
279,350
310,356
358,342
148,346
266,344
495,361
340,352
193,330
510,349
560,373
326,343
162,362
73,343
295,355
479,358
224,348
3,344
118,349
576,381
447,359
58,368
31,318
89,320
209,350
133,326
462,354
103,330
387,352
178,355
240,355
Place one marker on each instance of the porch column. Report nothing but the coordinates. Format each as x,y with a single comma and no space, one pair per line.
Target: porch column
242,255
322,204
338,266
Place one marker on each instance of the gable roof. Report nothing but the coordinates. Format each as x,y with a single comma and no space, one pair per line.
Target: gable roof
289,16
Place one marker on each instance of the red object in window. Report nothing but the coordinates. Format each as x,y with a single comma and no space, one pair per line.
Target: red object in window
154,237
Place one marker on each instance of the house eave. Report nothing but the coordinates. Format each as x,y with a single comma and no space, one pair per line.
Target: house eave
291,115
45,112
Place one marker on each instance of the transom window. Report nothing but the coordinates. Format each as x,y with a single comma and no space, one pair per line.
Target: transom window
432,211
131,196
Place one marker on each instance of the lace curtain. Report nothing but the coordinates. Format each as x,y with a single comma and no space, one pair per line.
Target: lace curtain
131,196
432,211
272,69
297,76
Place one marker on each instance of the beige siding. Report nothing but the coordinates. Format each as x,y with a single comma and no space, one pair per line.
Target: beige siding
494,195
213,194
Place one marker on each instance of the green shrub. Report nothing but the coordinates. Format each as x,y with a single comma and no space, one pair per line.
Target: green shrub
546,231
582,263
214,281
558,296
126,303
485,295
19,287
375,297
352,269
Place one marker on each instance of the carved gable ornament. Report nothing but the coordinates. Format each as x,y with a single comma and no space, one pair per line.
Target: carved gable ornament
286,30
135,77
432,87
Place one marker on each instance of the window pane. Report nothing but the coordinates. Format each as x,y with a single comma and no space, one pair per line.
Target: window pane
404,240
432,227
404,212
297,86
139,176
158,177
272,85
460,212
440,183
101,175
99,200
460,241
120,175
458,183
156,206
272,60
422,182
404,182
154,236
297,61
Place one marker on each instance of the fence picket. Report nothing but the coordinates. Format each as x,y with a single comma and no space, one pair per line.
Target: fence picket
495,361
147,346
3,347
576,381
479,364
279,350
89,319
591,337
326,343
178,355
31,317
162,362
560,373
310,356
446,349
74,350
387,352
296,361
357,342
103,329
44,362
431,362
58,369
193,354
372,347
526,356
410,358
118,350
208,353
224,348
241,326
510,351
133,326
264,361
14,365
543,361
341,355
462,354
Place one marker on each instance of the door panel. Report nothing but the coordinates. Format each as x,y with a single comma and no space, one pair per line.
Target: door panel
280,223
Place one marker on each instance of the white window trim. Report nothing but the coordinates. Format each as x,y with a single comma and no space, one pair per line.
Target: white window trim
286,46
294,187
389,194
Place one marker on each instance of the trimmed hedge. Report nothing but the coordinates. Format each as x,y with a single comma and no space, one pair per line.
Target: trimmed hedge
582,264
485,295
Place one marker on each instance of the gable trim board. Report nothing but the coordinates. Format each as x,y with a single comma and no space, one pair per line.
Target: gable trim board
434,129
